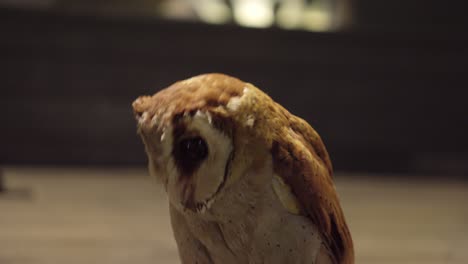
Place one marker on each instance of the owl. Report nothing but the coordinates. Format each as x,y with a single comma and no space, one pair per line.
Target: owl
246,180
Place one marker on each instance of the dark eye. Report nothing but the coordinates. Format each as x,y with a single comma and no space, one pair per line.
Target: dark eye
190,152
193,149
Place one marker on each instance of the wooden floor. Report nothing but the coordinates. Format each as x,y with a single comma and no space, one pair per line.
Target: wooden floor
116,216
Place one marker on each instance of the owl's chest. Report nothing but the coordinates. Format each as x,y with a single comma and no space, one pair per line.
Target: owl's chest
259,231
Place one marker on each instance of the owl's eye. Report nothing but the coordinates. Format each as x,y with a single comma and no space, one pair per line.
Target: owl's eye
193,149
190,152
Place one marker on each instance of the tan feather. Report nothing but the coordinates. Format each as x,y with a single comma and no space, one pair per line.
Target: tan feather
308,175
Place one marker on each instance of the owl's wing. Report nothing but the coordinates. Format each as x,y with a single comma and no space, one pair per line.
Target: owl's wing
302,161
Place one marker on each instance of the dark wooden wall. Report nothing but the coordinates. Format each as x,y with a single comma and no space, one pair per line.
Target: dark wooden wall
382,101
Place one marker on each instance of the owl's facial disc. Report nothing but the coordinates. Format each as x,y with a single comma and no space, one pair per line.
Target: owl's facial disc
201,155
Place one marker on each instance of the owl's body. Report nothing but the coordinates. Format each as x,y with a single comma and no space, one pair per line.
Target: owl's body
255,228
247,181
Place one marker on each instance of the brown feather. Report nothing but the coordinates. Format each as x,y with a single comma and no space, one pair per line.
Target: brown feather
302,160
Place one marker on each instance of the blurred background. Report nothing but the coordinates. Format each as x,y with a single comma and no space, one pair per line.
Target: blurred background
383,82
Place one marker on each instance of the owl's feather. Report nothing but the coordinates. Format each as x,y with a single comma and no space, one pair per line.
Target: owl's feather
301,159
305,166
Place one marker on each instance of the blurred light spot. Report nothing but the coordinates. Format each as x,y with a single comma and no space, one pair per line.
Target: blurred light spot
316,19
253,13
289,14
213,11
176,9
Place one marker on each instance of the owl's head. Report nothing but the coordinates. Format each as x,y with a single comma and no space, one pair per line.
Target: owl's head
200,138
